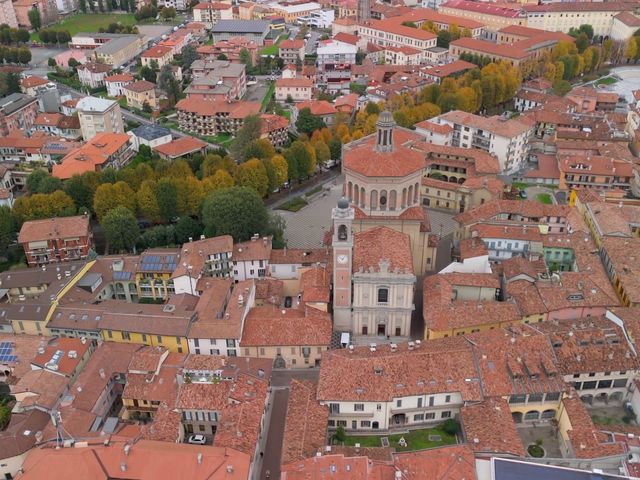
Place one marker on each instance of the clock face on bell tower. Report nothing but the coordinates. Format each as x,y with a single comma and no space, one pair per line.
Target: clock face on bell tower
342,243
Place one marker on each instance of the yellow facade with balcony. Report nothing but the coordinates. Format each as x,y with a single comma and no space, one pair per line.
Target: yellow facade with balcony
175,344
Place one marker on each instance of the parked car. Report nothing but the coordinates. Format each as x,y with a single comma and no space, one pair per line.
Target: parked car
196,439
330,164
523,194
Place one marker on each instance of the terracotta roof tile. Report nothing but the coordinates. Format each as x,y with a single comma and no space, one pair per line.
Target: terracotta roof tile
140,86
436,366
382,243
54,228
181,146
268,326
305,428
489,428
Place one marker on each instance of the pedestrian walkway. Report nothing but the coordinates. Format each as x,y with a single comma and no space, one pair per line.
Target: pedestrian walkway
306,228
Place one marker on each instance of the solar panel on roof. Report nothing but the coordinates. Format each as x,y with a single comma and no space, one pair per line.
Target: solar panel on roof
5,345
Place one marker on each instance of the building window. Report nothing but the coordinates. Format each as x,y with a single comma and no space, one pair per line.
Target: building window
535,397
604,384
446,414
332,423
589,385
342,423
431,401
399,403
126,336
365,424
159,339
419,402
379,407
109,334
418,417
383,295
447,399
552,397
334,408
620,383
358,407
517,399
261,350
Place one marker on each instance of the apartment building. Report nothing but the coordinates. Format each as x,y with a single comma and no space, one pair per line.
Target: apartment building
150,135
251,258
393,33
622,268
104,150
212,13
594,171
17,113
213,117
159,54
115,83
291,51
140,93
92,74
99,115
56,240
507,139
217,80
299,89
334,63
231,49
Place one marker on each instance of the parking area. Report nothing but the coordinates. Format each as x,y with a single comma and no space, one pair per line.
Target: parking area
257,91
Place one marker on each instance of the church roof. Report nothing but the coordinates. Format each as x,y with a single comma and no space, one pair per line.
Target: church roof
382,244
362,157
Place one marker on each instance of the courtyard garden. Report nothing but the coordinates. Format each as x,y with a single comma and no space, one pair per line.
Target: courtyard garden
438,436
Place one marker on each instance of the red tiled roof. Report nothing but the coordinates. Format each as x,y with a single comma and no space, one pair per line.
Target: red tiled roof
140,86
361,156
33,81
156,52
489,428
292,44
305,429
346,38
382,243
268,326
210,108
181,146
317,107
54,228
119,77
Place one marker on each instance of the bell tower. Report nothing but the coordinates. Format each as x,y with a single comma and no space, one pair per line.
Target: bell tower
342,243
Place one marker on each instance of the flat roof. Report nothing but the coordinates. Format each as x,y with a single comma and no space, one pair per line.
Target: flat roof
241,26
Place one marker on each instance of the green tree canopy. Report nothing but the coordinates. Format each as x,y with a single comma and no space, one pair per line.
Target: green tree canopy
308,123
235,211
120,229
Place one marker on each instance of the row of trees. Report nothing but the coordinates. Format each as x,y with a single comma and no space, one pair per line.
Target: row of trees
119,28
107,5
20,55
148,11
10,35
54,36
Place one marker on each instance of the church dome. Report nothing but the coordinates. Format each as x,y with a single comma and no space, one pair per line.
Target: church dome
343,203
386,120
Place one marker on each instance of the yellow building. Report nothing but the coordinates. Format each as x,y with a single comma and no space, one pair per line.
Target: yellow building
153,325
153,274
31,315
464,303
141,92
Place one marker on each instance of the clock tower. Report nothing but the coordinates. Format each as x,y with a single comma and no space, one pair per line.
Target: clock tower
342,243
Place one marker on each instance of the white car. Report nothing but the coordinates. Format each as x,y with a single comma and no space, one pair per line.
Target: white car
196,439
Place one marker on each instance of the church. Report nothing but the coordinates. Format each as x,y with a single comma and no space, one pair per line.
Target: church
381,235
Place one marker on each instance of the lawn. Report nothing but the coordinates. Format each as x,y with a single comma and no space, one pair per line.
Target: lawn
416,440
267,96
607,81
293,205
89,22
273,49
544,198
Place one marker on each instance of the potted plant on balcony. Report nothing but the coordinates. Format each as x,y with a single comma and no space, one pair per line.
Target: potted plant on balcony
535,449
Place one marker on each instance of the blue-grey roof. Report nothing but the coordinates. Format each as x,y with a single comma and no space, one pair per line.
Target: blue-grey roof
150,132
508,469
241,26
14,102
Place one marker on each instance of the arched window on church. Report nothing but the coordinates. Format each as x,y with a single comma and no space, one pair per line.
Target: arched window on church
342,232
